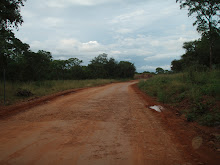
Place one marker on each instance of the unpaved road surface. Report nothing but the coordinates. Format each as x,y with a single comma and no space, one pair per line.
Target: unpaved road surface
97,126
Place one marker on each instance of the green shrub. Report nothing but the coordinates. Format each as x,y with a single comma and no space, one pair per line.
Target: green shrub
201,89
210,119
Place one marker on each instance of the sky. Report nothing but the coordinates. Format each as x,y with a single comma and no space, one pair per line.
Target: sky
148,33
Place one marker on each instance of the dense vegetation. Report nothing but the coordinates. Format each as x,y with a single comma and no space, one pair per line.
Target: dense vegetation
197,55
195,94
31,66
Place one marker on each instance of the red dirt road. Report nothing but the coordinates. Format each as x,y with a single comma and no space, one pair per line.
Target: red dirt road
96,126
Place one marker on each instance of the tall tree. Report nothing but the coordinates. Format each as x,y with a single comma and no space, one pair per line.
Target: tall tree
10,17
126,69
207,18
97,66
10,13
159,70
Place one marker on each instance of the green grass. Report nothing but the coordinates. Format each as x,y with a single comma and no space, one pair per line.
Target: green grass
197,92
42,88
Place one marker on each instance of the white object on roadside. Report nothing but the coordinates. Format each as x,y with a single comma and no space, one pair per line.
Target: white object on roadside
157,108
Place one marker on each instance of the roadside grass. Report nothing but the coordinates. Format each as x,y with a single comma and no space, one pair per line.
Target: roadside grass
42,88
195,94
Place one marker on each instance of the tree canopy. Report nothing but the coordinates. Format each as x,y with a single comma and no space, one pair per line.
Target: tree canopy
10,13
197,53
207,14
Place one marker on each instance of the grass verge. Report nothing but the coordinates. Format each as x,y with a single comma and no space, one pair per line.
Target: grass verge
195,94
14,90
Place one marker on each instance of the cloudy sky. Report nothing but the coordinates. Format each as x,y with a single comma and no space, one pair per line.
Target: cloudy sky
148,33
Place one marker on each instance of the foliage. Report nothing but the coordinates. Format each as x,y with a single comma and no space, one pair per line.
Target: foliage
197,53
196,92
207,19
102,67
206,11
30,66
10,13
159,70
125,69
10,18
23,93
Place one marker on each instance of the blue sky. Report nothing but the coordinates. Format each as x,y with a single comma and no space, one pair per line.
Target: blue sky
148,33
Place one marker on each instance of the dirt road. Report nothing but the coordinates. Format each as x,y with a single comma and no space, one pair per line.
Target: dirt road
99,126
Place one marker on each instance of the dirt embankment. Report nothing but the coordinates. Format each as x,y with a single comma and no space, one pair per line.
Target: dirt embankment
111,124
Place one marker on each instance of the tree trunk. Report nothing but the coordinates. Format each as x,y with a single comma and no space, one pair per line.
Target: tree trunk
210,44
210,55
4,86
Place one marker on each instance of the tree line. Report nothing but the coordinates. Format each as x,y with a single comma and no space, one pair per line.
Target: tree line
19,63
22,64
31,66
203,53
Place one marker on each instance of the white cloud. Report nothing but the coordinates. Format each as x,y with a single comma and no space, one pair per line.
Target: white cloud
66,3
128,17
91,46
124,30
52,22
148,67
159,57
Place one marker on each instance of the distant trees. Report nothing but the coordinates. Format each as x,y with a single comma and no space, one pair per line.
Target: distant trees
126,69
159,70
197,53
207,19
102,67
205,52
33,66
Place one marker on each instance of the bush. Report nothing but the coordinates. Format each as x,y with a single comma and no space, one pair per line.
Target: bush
210,119
201,90
24,93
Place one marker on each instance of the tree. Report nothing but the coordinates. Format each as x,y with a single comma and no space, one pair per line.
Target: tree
197,54
73,62
36,65
159,70
126,69
10,17
207,19
111,68
176,65
97,66
10,13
